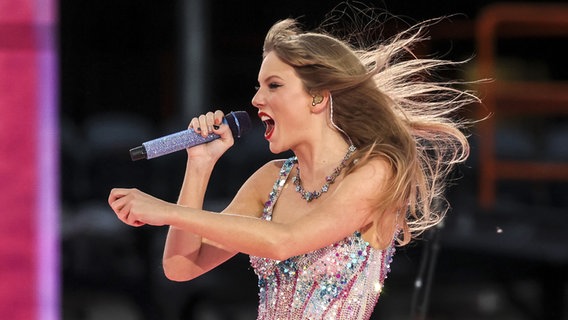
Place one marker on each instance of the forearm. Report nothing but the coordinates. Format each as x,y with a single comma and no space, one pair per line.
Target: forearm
239,228
194,185
241,232
181,251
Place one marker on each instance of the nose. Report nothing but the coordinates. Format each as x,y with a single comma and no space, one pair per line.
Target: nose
257,99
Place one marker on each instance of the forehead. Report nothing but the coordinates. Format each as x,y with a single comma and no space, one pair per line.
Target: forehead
272,65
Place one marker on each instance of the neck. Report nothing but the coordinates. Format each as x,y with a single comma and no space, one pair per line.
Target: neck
320,155
318,161
330,179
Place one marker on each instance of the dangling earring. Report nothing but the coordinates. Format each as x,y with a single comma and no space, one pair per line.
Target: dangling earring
317,100
333,122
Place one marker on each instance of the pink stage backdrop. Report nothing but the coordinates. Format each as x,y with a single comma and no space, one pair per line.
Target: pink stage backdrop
28,160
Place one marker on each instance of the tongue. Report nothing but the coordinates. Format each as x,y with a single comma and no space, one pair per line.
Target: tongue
269,126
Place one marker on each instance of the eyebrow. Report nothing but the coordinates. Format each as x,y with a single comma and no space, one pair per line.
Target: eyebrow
267,79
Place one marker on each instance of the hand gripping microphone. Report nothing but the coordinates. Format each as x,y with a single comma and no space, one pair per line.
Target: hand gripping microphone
238,121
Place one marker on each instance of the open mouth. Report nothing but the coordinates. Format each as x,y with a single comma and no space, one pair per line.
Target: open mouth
268,125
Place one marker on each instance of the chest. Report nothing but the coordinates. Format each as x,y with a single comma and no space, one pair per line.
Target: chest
290,206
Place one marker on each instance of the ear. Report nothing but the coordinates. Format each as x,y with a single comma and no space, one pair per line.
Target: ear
320,101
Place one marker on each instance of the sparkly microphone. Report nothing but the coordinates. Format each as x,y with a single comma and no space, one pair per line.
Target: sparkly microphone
238,121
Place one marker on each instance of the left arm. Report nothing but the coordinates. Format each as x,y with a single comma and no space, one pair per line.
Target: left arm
347,209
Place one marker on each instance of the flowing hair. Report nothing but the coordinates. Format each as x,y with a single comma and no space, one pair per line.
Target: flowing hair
390,105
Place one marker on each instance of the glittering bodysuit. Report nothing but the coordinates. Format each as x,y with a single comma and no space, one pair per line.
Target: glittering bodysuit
340,281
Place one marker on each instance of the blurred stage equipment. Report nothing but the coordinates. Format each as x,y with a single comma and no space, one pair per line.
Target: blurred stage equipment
506,99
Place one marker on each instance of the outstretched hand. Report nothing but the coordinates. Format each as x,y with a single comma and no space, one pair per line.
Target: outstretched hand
137,208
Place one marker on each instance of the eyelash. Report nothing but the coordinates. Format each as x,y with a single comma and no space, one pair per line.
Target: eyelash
274,85
270,86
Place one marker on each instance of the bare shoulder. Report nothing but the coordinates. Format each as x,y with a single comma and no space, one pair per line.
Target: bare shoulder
375,171
362,186
359,189
269,172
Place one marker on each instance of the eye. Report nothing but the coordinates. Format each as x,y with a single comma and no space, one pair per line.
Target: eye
274,85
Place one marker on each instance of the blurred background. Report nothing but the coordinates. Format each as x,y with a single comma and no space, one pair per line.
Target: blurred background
130,71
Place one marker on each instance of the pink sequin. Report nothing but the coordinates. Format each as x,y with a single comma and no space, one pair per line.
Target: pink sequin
340,281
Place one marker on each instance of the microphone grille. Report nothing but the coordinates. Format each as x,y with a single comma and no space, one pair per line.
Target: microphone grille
239,122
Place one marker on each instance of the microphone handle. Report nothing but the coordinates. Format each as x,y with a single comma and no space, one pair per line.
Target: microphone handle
170,143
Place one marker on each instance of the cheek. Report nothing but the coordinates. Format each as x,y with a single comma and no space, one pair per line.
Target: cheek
290,104
295,102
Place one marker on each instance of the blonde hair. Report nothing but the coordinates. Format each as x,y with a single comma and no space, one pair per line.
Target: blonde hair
388,109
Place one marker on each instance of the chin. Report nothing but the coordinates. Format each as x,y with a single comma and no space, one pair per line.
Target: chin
276,149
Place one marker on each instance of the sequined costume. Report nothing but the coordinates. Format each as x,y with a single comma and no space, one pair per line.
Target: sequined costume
340,281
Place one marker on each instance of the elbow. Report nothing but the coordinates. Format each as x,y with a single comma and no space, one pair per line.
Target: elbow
176,276
176,272
280,247
279,256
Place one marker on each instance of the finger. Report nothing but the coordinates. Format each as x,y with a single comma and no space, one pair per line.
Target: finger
218,115
210,117
194,124
118,208
122,200
203,125
138,223
114,195
130,218
127,215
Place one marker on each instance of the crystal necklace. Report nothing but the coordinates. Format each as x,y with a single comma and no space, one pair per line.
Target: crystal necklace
309,196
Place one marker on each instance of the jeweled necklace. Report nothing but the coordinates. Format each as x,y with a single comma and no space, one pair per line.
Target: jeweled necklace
309,196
